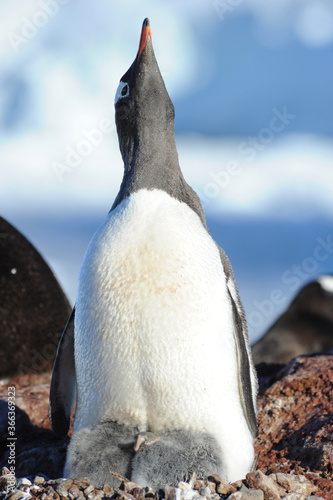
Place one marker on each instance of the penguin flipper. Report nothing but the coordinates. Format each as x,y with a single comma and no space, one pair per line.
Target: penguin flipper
244,372
63,382
247,378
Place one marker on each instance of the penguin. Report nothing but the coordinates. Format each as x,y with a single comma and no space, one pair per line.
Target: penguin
149,459
33,307
157,341
306,327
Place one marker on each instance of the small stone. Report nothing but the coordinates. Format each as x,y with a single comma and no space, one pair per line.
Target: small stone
294,496
74,491
6,481
215,478
82,483
123,495
137,492
99,494
34,490
62,490
89,489
295,483
170,493
39,480
5,471
17,495
184,486
199,484
212,486
205,492
107,490
92,495
225,489
313,497
130,486
237,484
23,481
258,480
247,495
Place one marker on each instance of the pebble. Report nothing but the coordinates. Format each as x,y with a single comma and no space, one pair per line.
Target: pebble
258,481
247,495
295,483
61,490
23,481
256,486
39,480
17,495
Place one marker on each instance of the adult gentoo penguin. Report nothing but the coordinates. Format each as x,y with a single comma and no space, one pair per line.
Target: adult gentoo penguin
158,330
305,327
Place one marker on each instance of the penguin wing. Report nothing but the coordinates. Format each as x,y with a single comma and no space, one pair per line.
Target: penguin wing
63,382
247,381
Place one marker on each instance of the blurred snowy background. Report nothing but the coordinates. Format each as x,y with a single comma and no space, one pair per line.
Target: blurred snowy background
251,81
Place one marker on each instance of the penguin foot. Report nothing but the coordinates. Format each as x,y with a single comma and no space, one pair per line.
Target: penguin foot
174,457
146,439
92,453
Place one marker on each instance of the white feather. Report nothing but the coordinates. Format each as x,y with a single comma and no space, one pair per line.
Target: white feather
326,282
154,342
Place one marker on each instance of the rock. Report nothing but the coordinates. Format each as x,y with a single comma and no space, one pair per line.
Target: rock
23,482
296,422
17,495
237,484
170,493
33,307
225,489
295,483
294,496
247,495
88,489
258,480
108,491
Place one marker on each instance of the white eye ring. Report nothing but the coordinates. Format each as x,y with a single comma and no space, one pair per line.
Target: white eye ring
122,91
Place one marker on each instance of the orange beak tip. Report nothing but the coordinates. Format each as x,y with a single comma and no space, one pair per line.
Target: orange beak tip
145,36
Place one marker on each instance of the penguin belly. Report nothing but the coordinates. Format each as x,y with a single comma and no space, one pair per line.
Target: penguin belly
154,339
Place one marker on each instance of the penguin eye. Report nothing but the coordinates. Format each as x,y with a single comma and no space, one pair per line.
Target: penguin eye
122,91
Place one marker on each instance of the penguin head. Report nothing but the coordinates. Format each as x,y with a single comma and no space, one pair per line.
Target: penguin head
142,104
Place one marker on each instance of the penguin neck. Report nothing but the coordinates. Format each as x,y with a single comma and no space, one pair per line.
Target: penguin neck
150,162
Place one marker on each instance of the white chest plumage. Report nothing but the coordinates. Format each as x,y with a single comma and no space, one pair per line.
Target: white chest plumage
154,343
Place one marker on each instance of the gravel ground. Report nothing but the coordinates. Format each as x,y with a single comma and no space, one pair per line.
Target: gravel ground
256,486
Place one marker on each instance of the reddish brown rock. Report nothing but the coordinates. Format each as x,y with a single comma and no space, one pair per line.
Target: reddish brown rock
258,481
296,421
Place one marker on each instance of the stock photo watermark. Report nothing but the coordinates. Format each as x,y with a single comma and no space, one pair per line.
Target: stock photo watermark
277,124
293,277
11,439
40,360
249,149
31,27
75,155
225,7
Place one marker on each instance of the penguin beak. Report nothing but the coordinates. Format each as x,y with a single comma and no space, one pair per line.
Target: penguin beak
145,37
